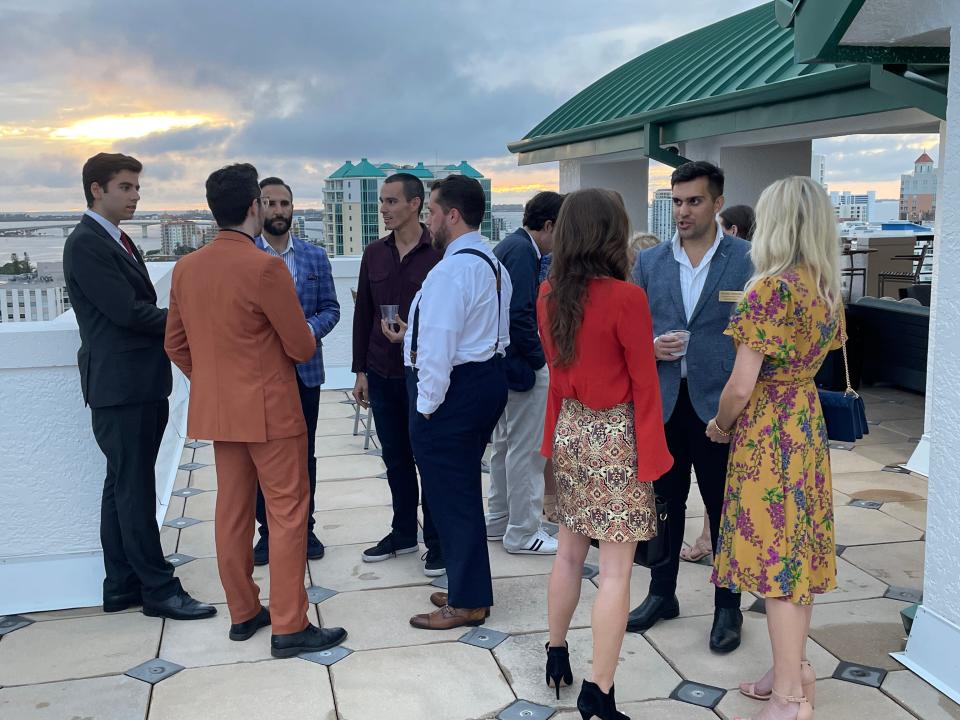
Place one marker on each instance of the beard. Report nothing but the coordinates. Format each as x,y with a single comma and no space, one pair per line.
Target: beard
278,226
439,238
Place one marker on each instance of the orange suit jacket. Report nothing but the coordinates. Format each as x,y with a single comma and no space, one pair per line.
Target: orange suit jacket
236,330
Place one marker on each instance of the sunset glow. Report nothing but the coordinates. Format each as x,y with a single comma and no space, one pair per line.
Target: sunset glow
120,127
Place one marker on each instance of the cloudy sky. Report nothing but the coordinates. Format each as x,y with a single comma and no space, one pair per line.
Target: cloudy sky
298,86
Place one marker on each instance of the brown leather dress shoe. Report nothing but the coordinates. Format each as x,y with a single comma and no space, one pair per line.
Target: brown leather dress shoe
447,618
440,599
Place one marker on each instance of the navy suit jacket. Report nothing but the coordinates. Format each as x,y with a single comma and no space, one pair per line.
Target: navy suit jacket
525,352
318,298
710,353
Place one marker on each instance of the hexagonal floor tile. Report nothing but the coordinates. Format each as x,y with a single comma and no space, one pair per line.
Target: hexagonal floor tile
447,680
271,689
105,698
641,673
913,693
345,494
85,647
342,569
852,584
685,642
899,564
861,631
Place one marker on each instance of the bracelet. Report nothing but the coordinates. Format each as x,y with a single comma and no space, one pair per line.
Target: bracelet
720,431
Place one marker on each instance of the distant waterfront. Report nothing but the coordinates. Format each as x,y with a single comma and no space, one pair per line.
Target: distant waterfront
47,245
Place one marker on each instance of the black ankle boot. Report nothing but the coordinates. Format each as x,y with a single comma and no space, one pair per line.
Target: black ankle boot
558,667
593,703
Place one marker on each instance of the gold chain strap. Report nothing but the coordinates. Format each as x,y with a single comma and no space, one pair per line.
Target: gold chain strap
846,367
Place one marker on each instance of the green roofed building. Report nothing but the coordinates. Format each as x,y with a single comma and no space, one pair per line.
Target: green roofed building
351,197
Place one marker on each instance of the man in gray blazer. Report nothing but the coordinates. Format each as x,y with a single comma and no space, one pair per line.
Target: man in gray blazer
693,284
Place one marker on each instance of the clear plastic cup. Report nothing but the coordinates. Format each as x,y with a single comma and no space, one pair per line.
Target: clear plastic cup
683,335
389,313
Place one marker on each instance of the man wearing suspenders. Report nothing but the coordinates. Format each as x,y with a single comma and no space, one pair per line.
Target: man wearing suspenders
459,330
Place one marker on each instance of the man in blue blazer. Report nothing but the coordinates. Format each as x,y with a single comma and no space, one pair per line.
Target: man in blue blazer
693,284
313,278
516,465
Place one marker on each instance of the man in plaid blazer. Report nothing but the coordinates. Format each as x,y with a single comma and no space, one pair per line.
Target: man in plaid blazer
313,278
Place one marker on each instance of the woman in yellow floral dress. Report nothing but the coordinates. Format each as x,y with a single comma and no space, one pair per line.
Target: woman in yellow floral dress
776,532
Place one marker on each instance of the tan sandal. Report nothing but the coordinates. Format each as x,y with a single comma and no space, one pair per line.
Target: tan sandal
809,684
696,553
804,711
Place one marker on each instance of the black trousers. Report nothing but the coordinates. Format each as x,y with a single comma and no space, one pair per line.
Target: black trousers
391,414
129,437
310,402
448,448
690,447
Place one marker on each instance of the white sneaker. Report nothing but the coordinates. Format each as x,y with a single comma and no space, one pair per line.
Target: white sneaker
541,544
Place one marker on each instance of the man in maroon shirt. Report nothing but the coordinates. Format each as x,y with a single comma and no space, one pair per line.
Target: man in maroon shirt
391,272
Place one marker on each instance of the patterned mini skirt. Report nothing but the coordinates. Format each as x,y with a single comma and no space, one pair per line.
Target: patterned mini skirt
595,468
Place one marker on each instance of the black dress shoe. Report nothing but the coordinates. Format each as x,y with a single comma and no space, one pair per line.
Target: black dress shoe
179,606
261,552
121,601
315,548
725,634
310,639
245,630
654,608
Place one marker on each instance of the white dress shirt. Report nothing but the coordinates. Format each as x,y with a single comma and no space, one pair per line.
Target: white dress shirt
692,279
458,318
106,225
289,256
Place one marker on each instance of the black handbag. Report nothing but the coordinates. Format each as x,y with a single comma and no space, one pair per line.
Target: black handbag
844,412
656,551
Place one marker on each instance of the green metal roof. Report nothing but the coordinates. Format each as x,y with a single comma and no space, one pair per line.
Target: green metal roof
419,171
342,170
466,169
741,57
365,169
387,166
450,167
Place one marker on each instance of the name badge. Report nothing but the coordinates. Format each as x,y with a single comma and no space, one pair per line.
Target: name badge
733,296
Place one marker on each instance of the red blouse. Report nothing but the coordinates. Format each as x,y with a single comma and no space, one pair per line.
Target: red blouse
614,364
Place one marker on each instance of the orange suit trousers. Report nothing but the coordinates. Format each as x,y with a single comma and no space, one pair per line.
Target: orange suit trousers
281,467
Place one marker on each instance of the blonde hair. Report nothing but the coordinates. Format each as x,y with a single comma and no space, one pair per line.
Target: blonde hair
638,242
796,227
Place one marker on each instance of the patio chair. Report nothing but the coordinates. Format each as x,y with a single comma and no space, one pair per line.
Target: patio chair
910,277
359,416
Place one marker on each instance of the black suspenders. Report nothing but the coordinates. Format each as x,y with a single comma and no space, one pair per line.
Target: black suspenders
416,312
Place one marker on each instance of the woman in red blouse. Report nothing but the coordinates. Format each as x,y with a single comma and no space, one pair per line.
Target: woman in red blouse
604,429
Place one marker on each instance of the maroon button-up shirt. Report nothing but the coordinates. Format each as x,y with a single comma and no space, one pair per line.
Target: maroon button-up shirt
385,279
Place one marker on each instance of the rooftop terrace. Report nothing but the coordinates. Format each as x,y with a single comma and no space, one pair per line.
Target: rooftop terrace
75,663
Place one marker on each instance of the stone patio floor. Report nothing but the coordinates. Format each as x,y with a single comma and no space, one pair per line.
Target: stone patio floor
72,664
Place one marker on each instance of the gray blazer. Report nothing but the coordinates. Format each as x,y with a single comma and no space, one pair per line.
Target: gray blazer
710,354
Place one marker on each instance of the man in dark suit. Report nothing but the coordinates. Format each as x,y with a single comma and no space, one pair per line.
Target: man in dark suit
313,278
125,379
693,283
516,465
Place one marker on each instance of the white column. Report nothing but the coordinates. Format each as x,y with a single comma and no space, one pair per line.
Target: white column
935,637
627,177
919,461
749,170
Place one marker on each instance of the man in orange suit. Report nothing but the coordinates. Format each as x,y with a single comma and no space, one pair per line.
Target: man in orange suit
235,328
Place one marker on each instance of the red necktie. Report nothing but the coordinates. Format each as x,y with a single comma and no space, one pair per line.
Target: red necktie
127,244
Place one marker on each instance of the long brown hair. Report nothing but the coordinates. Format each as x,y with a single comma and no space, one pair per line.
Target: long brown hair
590,240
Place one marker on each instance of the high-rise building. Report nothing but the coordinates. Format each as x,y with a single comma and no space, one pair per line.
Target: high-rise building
818,169
352,206
850,206
174,233
31,300
661,215
299,227
918,191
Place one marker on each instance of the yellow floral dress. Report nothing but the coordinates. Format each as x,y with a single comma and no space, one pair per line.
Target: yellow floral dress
776,529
